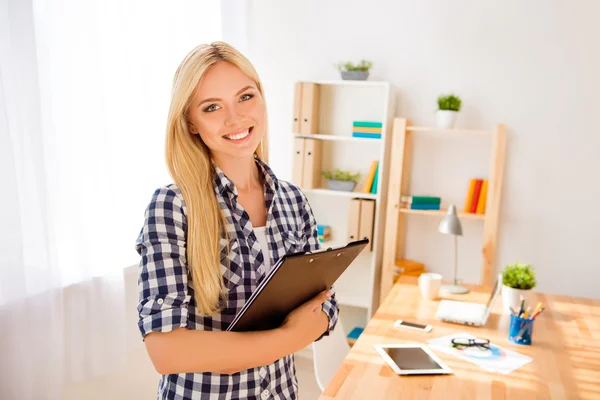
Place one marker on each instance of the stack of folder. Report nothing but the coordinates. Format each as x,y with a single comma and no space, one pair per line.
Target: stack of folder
366,129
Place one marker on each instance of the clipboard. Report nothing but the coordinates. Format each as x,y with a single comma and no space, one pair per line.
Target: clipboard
295,279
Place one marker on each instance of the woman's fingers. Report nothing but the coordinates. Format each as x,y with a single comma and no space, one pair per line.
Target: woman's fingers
318,300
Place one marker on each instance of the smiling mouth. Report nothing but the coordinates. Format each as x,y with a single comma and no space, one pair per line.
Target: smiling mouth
238,137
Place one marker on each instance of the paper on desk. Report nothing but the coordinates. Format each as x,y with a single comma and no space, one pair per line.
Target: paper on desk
496,359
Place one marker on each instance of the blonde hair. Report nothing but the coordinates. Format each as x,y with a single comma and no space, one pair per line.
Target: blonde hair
189,163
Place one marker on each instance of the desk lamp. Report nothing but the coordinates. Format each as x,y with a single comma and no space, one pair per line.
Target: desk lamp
450,225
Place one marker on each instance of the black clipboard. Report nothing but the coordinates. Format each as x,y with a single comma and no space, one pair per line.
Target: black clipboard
295,279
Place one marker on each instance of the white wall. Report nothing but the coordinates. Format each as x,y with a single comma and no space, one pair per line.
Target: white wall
532,65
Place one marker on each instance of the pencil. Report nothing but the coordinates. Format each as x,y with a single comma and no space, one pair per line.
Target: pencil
537,313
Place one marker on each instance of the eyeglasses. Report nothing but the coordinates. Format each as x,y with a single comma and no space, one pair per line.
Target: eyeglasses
463,343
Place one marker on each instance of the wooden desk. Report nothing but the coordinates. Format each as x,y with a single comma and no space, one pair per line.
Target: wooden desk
565,352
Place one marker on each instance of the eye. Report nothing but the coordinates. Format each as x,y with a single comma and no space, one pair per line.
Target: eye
211,108
246,97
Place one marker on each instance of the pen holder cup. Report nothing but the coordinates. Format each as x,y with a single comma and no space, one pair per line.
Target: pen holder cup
520,330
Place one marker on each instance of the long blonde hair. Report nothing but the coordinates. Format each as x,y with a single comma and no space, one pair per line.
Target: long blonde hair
189,163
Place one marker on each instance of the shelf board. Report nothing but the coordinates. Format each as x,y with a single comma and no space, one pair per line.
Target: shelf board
441,213
428,129
359,195
342,82
336,138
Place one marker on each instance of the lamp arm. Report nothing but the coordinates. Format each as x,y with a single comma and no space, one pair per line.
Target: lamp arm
455,258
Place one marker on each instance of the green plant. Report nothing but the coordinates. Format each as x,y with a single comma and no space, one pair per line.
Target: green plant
363,65
340,175
519,276
449,102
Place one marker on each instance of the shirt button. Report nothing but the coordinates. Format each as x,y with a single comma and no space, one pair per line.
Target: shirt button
265,394
160,301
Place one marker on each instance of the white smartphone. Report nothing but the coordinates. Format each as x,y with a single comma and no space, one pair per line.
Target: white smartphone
411,325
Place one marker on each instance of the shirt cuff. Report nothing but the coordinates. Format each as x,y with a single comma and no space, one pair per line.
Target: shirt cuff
160,315
331,309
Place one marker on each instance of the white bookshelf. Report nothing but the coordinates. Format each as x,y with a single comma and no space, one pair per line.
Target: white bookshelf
341,103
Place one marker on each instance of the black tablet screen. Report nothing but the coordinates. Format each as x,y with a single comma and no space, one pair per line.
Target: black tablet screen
411,358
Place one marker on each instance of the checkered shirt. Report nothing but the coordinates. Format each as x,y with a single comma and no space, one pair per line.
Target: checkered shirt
166,300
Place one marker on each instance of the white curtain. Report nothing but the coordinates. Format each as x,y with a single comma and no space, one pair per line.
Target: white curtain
84,95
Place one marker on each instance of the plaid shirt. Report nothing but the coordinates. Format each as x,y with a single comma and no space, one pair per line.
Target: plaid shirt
166,299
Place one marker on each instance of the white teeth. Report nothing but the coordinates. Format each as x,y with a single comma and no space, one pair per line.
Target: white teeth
239,135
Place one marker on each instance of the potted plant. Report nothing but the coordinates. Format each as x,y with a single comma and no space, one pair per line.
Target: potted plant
448,108
517,281
341,180
354,72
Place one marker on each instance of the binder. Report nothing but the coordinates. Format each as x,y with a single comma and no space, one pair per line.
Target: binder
295,279
298,162
312,164
353,220
310,108
367,216
297,107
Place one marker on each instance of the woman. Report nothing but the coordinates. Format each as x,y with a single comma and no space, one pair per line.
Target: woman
211,236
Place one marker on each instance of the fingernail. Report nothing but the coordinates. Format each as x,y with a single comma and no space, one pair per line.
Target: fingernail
329,293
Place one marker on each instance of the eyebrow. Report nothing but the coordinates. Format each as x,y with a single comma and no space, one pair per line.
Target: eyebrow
217,99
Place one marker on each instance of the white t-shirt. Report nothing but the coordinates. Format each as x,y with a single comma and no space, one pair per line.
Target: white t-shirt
261,235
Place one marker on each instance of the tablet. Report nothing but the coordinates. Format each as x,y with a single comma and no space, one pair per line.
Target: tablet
412,359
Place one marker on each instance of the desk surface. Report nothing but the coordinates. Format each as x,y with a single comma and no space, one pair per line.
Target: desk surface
565,352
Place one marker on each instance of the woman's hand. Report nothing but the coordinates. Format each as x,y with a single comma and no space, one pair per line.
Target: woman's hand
308,322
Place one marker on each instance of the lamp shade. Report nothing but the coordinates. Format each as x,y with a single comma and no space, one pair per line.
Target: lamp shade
450,225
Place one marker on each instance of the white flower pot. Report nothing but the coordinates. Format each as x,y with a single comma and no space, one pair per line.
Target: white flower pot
512,298
446,119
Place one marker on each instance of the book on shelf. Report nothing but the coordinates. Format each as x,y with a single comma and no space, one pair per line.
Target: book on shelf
476,196
375,179
407,267
420,199
424,206
478,183
365,129
370,177
324,233
364,135
470,192
367,124
354,334
482,198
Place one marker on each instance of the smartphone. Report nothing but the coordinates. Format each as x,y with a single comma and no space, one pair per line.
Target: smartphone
411,325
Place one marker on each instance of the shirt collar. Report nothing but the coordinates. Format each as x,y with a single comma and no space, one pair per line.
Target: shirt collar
222,183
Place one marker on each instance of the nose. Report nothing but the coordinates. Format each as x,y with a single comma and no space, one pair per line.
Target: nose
233,115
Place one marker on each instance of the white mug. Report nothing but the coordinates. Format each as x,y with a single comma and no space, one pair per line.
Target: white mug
430,283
